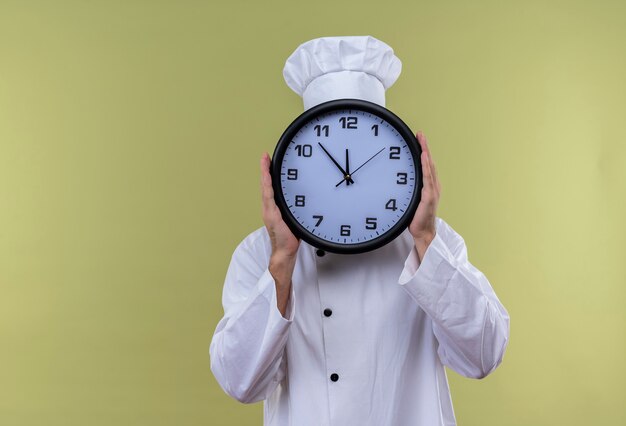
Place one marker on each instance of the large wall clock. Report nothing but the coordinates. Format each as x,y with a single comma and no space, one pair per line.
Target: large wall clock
347,176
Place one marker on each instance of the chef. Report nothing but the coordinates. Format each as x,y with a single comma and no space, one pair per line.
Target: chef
328,339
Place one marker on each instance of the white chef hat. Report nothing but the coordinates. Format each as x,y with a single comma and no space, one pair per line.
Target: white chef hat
327,68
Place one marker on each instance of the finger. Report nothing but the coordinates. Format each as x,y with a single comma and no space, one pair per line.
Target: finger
267,192
422,140
426,167
433,171
435,176
429,191
426,173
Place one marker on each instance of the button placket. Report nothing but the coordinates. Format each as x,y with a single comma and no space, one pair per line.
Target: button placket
327,295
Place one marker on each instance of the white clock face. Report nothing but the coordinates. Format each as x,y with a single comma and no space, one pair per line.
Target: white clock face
337,208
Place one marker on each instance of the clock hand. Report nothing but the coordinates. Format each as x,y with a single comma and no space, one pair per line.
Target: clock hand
345,175
347,168
381,150
357,169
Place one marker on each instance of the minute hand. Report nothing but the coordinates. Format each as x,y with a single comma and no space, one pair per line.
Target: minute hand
357,169
336,164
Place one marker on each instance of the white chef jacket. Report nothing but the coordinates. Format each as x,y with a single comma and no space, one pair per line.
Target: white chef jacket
366,336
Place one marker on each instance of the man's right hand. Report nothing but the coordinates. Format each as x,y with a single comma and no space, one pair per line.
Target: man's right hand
284,243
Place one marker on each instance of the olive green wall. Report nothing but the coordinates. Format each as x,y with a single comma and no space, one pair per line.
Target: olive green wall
130,133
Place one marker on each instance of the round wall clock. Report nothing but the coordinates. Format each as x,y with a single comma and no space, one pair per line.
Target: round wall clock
347,176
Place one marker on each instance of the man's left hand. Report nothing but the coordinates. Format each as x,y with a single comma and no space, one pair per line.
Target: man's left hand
423,225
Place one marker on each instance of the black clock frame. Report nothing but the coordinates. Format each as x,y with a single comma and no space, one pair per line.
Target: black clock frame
281,147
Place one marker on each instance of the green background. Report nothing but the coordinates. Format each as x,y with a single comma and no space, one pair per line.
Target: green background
130,134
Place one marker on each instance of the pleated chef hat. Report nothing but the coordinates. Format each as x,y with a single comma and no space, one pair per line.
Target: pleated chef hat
328,68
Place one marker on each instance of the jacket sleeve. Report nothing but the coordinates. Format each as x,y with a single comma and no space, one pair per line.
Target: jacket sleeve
469,322
249,341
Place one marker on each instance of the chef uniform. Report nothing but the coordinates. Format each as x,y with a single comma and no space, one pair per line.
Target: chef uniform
365,337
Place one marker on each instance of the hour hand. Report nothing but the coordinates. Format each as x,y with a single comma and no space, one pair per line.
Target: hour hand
346,176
